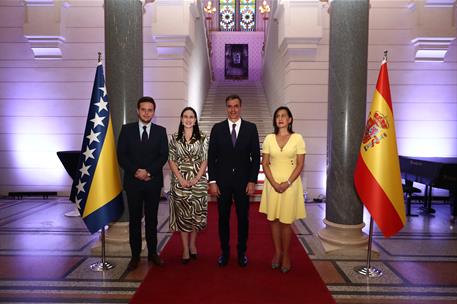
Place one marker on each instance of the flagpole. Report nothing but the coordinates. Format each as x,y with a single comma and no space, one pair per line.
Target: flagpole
102,265
368,175
368,270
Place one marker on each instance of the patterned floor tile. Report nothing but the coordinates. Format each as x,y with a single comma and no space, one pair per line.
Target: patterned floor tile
84,272
427,273
36,267
389,277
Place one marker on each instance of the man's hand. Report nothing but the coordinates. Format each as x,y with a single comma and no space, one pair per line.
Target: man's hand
143,175
250,188
214,189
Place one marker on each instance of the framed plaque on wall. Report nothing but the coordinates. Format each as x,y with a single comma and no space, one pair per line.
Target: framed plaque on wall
236,61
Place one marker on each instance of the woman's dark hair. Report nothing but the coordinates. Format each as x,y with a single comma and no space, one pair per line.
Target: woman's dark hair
196,129
289,113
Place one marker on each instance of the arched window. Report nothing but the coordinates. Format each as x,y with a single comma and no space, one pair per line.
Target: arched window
237,15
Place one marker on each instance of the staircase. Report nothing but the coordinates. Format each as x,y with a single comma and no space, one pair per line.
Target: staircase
254,108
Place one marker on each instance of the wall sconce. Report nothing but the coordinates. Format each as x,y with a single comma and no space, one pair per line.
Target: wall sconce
209,11
264,11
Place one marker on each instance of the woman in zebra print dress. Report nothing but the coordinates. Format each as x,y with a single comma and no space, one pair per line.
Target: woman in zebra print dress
188,195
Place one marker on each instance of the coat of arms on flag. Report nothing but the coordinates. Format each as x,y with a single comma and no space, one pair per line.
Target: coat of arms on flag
377,176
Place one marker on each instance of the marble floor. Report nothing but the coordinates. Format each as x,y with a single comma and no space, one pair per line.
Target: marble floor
45,258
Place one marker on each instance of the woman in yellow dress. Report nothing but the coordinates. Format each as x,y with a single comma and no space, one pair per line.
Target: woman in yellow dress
282,197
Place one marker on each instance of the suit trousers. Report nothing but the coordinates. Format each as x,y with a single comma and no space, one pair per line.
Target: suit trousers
230,194
146,199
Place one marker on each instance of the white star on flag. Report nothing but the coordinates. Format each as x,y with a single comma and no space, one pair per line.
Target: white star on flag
88,153
104,90
78,203
80,187
97,120
84,170
101,105
93,136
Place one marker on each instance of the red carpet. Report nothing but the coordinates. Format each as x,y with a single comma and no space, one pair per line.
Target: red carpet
202,281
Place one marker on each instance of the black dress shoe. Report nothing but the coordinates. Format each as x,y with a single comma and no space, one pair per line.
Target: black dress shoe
243,261
133,264
155,259
223,260
193,256
185,261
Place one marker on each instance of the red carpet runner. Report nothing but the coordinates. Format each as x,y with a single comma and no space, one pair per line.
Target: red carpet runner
202,281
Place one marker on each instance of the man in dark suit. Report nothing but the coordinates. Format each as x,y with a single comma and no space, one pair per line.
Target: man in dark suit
233,166
142,152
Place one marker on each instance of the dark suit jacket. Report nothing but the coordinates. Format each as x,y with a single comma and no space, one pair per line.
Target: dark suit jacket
234,165
133,155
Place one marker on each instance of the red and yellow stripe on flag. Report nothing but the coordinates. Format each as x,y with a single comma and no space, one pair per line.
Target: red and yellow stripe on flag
377,176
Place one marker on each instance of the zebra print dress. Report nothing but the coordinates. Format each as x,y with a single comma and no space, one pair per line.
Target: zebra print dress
188,206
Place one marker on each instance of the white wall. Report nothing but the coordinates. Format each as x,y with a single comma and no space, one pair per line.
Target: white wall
44,103
424,94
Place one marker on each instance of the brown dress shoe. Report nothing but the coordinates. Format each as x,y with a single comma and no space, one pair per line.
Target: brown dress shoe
155,259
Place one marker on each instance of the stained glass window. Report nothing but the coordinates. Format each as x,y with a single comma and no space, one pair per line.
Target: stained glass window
247,15
227,10
237,15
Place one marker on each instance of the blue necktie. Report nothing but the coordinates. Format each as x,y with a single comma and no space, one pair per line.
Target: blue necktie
234,134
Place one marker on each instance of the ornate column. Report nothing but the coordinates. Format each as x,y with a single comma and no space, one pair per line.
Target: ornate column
124,83
346,119
124,58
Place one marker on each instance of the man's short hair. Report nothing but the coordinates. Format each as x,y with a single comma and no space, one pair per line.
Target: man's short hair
231,97
146,99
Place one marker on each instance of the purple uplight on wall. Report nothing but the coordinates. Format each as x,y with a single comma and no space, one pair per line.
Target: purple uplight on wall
34,129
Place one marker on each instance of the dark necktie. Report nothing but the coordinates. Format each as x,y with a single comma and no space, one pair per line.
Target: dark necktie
144,135
234,134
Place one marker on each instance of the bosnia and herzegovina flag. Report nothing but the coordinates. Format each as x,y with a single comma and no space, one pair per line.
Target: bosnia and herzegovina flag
377,176
97,186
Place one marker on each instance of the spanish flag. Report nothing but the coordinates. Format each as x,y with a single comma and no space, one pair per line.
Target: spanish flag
97,187
377,176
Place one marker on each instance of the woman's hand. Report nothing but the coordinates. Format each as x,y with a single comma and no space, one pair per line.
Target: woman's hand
277,187
283,186
194,181
184,183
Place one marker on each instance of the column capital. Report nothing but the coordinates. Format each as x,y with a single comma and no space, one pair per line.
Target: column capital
43,28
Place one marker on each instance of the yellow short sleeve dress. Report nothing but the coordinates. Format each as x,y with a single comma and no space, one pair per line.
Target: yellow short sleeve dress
289,205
